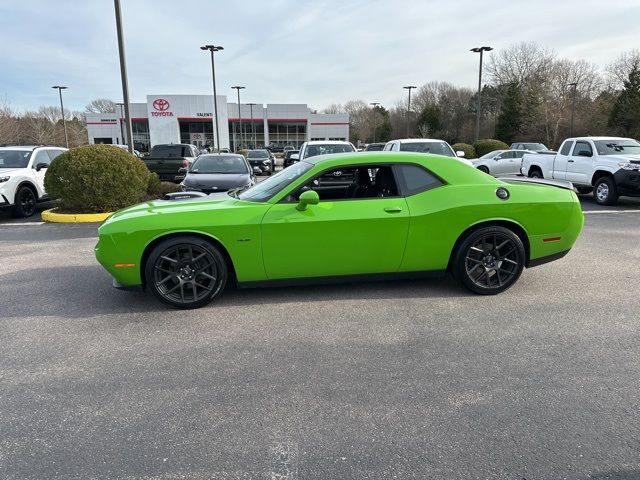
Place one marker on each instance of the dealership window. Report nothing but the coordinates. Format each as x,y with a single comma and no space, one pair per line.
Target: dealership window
103,140
197,132
318,139
338,139
287,133
251,135
141,139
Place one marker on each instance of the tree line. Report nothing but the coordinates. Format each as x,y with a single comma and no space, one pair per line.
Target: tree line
528,95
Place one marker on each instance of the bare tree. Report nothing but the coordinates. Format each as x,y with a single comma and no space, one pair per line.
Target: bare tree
620,68
333,108
9,127
101,105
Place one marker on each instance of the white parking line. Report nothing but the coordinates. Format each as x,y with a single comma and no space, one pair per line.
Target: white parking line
611,211
23,224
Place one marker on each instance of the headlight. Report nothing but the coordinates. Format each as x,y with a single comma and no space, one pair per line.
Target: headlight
4,179
266,162
624,166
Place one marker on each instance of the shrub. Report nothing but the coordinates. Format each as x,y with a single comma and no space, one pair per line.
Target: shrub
469,151
97,179
487,145
167,187
243,152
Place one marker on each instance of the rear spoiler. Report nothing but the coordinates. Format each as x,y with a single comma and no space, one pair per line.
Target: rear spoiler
540,181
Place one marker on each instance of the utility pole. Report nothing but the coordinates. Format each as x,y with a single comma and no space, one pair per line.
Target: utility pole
212,49
375,124
64,122
409,87
238,88
479,50
123,75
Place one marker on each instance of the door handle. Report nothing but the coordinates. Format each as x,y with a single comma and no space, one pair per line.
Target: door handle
393,209
570,161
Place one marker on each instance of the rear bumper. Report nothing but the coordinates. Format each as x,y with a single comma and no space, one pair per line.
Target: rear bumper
547,259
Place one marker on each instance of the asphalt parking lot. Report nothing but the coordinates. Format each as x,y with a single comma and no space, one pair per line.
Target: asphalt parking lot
377,380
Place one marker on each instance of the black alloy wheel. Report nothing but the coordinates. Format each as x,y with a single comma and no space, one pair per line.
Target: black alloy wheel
489,260
186,272
25,202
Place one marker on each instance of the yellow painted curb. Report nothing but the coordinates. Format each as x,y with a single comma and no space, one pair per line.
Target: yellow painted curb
51,216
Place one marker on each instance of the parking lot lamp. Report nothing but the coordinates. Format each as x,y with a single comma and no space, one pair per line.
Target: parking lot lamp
123,76
238,88
64,122
212,49
479,50
374,105
253,130
573,105
409,87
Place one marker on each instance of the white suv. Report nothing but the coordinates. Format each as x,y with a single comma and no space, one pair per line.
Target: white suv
425,145
322,147
22,172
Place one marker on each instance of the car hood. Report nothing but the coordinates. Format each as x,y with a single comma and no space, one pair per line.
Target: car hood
622,158
220,181
10,171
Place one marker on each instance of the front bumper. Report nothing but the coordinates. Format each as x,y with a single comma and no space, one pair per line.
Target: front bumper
628,182
268,167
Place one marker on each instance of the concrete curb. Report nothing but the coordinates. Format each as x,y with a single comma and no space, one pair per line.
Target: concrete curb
51,216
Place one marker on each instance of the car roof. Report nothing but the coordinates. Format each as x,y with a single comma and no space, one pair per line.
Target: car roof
28,147
416,140
327,142
600,138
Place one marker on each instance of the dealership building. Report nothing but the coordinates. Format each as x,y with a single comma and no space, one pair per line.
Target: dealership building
189,119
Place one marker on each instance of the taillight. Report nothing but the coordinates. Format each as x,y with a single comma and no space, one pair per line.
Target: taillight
185,163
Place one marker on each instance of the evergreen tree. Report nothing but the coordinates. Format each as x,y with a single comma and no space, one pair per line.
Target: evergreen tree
429,121
511,115
625,114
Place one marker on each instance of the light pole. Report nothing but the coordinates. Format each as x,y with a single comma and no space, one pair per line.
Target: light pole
238,88
479,50
120,105
214,48
409,87
253,130
123,75
374,105
64,122
573,105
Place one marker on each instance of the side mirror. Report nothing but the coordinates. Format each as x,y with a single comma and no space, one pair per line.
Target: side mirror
310,197
40,166
183,170
294,157
460,153
585,153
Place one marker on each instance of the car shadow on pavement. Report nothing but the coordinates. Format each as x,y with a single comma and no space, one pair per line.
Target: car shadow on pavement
82,291
615,475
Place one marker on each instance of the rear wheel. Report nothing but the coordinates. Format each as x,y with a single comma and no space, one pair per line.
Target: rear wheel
535,174
186,272
24,202
605,191
483,169
489,260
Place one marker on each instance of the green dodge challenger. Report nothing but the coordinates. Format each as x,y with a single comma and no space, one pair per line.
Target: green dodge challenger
343,217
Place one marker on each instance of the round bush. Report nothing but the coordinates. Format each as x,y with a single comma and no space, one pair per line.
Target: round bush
487,145
97,179
469,151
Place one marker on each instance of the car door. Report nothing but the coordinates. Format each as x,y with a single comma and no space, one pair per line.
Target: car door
580,163
517,162
503,163
338,236
560,162
40,158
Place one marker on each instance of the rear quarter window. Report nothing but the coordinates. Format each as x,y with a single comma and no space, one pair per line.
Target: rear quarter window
414,179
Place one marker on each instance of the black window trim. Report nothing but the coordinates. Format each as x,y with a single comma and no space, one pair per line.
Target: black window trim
573,152
368,165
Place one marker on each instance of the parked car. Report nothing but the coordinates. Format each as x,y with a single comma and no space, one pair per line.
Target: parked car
374,147
217,172
274,148
167,159
126,147
287,148
288,160
322,147
483,230
534,147
22,171
425,145
262,159
501,162
608,166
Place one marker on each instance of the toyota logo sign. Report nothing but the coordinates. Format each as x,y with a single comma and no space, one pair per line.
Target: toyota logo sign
162,107
161,104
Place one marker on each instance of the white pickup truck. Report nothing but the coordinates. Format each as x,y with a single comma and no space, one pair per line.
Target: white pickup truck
608,166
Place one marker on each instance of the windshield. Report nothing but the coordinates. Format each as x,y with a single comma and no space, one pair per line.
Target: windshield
536,147
618,146
376,147
219,164
14,158
326,149
258,154
263,191
439,148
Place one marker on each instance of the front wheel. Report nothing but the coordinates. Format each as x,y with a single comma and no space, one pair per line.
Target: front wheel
24,203
186,272
605,191
489,260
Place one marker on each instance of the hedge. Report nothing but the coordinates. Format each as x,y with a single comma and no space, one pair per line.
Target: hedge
487,145
97,179
469,151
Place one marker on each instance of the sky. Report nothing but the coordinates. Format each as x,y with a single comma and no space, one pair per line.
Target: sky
286,51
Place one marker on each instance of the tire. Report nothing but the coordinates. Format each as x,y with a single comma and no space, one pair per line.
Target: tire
535,174
484,169
186,272
24,203
605,191
489,260
584,190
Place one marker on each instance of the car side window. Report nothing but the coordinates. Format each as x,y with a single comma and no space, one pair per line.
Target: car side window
54,153
395,147
414,179
352,183
41,157
518,154
566,148
582,147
